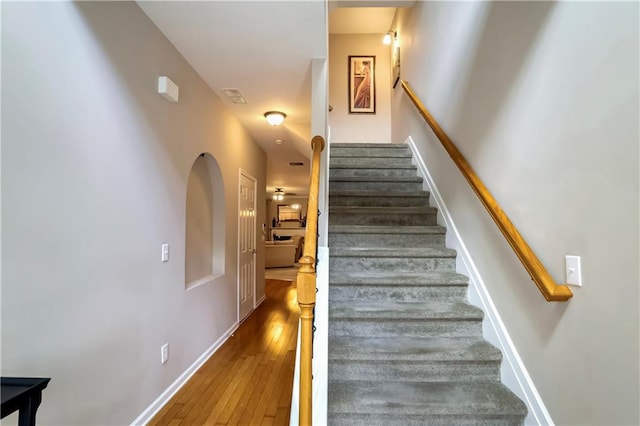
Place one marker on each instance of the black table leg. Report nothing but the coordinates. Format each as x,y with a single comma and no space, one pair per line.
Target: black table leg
27,416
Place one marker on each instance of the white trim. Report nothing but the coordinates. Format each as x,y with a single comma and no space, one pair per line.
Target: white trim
259,302
513,371
165,396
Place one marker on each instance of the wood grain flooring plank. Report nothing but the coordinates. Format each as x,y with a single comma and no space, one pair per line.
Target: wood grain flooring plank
266,421
282,417
248,380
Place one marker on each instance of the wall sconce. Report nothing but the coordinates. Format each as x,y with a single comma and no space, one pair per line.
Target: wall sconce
387,37
275,118
278,195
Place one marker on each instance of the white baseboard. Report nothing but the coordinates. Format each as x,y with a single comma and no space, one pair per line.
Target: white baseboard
259,301
514,373
165,396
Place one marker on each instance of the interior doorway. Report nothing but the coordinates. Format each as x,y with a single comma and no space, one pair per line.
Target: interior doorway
246,244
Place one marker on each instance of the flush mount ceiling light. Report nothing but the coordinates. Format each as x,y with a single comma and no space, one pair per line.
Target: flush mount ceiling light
278,195
275,118
387,37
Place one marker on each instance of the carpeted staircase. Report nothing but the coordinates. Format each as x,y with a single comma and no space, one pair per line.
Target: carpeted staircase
404,346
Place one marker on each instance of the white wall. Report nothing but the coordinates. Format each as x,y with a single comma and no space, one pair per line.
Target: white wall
94,175
347,127
542,99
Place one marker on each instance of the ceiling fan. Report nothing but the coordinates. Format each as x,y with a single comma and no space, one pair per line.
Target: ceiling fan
279,194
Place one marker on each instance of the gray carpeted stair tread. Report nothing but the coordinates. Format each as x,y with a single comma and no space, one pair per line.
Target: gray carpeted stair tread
367,171
344,163
382,210
398,278
423,398
376,193
378,198
395,310
411,252
368,145
377,179
382,216
371,163
363,229
399,348
370,154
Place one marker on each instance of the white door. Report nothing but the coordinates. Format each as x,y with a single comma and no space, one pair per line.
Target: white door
246,245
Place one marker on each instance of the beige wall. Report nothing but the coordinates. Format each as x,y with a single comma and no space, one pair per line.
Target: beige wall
542,99
347,127
94,178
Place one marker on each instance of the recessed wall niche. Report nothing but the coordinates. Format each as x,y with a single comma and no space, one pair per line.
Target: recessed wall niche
204,230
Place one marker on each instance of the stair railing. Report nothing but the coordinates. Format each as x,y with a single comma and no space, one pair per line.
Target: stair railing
551,291
306,285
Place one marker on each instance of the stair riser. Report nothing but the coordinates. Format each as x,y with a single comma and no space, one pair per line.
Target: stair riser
339,200
417,371
410,328
404,293
395,264
349,419
387,152
342,173
422,219
370,163
376,186
386,240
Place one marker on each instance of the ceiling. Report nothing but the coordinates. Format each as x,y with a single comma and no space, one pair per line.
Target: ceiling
264,50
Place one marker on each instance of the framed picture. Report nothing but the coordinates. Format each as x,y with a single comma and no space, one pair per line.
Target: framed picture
362,85
396,66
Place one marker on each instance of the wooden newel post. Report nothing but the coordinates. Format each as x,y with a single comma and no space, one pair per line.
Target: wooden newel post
306,300
306,284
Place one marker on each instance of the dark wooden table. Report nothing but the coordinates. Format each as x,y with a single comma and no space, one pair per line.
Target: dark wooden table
23,394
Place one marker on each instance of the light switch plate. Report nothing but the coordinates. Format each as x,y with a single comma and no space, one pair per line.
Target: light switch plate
164,353
165,252
573,270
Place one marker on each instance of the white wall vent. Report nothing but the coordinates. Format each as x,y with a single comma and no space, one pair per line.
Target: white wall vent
235,96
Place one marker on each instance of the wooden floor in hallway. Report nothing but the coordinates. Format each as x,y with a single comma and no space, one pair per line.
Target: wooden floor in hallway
248,381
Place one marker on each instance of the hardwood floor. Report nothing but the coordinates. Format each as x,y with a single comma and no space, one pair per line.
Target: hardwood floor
248,380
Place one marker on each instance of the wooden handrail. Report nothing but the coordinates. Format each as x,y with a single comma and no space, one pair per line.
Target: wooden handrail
306,284
551,291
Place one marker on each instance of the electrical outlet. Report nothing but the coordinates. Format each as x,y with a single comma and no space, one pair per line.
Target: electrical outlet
573,270
164,353
165,252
